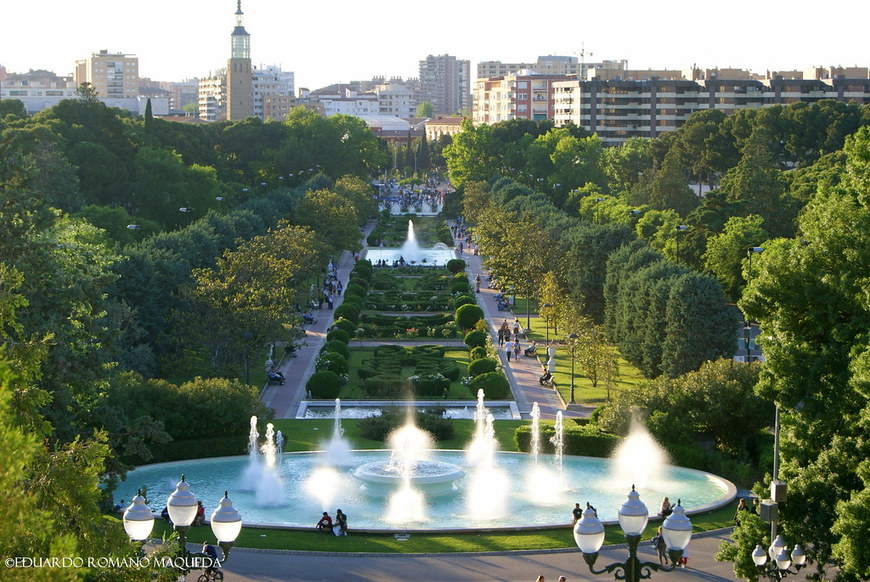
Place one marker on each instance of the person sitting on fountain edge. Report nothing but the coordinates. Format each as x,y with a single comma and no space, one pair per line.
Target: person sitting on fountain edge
340,528
325,524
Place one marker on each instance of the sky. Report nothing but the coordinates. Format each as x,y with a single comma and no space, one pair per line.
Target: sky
344,40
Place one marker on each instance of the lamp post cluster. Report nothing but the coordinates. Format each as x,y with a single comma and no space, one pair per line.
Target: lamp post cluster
226,523
780,560
633,517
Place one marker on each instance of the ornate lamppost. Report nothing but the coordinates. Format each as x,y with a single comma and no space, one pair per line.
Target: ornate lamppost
633,517
780,560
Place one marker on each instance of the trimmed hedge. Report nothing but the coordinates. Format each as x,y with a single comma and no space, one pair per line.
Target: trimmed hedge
338,335
475,338
324,384
477,352
494,385
461,300
378,428
461,286
582,440
467,316
337,346
481,366
455,265
346,325
348,311
334,362
355,289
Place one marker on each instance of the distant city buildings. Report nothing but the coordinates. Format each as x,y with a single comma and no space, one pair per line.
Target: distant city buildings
240,79
112,75
446,83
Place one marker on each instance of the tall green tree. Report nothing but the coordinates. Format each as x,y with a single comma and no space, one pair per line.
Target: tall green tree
727,251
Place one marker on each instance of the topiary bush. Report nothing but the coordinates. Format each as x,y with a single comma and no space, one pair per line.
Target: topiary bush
337,346
384,386
334,362
338,335
477,352
348,311
467,316
354,289
460,286
461,300
346,325
481,366
455,265
324,384
475,338
494,385
378,428
430,385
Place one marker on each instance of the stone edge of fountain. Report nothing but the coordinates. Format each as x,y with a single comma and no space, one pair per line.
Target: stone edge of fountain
326,403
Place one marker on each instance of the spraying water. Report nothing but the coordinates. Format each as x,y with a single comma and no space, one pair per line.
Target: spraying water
411,248
279,443
639,460
558,441
410,445
486,497
535,443
338,448
270,489
251,476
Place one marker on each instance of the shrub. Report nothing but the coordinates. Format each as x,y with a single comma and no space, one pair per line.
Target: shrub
324,384
354,289
460,286
354,301
389,349
333,362
477,353
384,386
461,300
337,346
578,439
481,366
359,282
348,311
434,385
449,370
338,335
428,350
348,326
455,265
378,428
468,315
494,385
475,338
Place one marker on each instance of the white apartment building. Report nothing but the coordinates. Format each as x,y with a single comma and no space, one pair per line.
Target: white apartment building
347,102
395,99
212,96
446,83
274,92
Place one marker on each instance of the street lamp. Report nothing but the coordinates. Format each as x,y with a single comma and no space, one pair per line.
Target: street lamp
138,519
780,561
633,517
182,507
226,524
573,338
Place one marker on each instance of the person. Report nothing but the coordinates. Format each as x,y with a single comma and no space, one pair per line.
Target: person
517,328
517,349
667,508
577,512
741,506
164,515
545,379
508,350
210,551
340,523
684,559
325,523
308,317
661,547
200,514
275,375
540,578
562,579
119,507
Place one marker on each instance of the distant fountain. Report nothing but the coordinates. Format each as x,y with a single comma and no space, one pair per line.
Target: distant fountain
411,248
535,440
279,443
338,447
270,489
558,441
639,460
251,476
486,497
545,485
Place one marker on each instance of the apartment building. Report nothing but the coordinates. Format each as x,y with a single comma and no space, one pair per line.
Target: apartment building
112,75
446,83
38,89
346,100
212,96
523,95
274,92
396,99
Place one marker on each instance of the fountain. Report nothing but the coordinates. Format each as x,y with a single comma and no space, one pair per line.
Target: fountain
338,448
416,488
639,460
412,252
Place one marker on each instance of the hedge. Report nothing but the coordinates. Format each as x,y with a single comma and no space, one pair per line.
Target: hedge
477,352
338,347
481,366
338,335
324,384
430,385
355,289
494,385
460,286
333,362
583,440
461,300
475,338
467,316
455,265
348,311
345,324
378,428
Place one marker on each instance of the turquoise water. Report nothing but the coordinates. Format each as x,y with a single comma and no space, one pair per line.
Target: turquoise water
547,503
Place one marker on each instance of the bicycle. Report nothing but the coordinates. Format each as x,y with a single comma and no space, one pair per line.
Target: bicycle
216,576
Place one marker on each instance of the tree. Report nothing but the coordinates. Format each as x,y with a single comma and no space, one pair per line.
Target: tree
425,109
86,92
809,294
333,217
669,189
726,252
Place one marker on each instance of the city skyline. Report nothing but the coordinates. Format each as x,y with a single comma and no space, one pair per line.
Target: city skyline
390,38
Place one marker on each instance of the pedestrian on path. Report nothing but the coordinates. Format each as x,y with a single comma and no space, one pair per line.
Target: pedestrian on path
517,349
508,350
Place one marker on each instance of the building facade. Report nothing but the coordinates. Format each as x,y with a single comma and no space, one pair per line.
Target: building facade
274,92
524,95
446,83
112,75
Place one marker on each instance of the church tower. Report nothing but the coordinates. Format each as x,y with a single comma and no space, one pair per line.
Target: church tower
240,80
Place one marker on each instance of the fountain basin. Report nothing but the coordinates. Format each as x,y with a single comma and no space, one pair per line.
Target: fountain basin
585,479
430,477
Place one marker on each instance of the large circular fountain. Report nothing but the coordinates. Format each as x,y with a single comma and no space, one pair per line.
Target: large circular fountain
412,487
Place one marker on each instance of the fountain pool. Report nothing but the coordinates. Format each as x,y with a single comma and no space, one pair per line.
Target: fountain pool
411,252
312,484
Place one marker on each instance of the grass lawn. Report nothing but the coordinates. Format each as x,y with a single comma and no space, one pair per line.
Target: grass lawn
353,390
311,540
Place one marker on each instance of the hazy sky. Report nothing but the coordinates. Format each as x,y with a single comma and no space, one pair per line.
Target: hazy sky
326,42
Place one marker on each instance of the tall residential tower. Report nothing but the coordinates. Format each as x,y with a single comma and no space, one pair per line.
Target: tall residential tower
240,80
